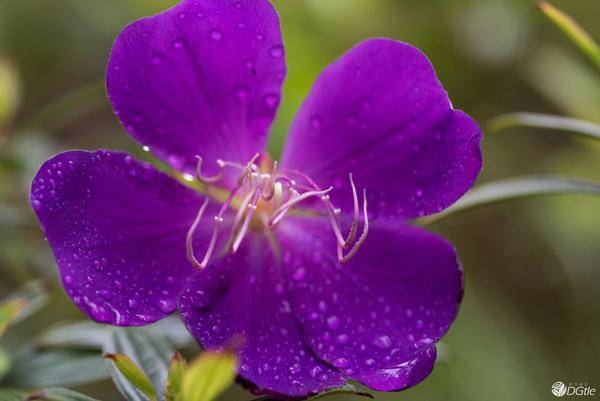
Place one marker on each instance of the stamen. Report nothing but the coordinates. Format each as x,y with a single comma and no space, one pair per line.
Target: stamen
213,241
283,209
354,229
270,192
189,239
363,236
251,209
208,180
219,218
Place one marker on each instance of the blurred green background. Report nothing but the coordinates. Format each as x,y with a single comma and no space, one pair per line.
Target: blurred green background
531,313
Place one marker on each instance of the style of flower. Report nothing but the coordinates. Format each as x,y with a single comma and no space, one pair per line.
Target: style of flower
312,260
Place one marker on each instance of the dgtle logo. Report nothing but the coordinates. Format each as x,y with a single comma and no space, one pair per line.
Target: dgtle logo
559,389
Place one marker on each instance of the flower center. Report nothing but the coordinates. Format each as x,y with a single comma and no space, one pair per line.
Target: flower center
262,197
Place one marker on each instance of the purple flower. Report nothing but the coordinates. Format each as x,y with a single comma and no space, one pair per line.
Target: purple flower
312,260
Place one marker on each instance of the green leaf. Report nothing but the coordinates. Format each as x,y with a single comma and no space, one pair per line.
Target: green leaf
517,188
347,389
33,296
5,362
9,311
537,120
90,335
83,334
133,373
11,395
208,376
149,351
58,394
40,369
177,368
572,29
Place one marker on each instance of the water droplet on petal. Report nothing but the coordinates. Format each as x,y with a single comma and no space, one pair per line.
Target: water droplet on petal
383,342
276,51
333,322
216,35
271,100
340,363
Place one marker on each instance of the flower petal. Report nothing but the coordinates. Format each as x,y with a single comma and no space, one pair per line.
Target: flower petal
377,318
117,228
380,113
242,297
203,78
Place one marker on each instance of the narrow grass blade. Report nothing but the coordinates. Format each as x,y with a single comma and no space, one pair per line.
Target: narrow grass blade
537,120
516,188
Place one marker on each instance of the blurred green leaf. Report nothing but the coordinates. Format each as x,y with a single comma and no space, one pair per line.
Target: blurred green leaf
569,83
90,335
573,30
37,369
516,188
177,368
34,295
11,395
133,374
9,310
208,376
58,394
83,334
5,362
10,92
70,107
537,120
149,351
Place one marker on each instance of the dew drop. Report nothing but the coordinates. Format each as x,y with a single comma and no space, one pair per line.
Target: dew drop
299,274
271,100
276,51
383,342
295,368
242,92
178,44
342,339
340,363
216,35
333,322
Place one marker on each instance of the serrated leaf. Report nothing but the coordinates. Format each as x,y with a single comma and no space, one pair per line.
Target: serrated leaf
537,120
11,395
55,368
58,394
517,188
90,335
208,376
572,29
133,374
150,352
177,368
